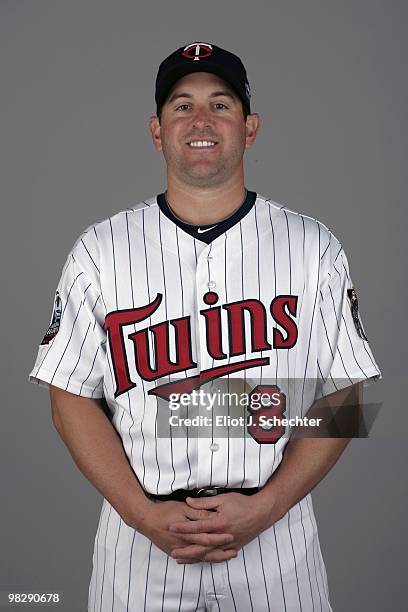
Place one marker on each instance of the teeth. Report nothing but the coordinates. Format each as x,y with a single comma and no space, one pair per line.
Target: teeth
202,143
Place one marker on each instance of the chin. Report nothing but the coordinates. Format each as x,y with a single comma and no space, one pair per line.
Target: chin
205,180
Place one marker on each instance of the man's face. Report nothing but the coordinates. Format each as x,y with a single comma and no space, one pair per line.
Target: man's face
202,131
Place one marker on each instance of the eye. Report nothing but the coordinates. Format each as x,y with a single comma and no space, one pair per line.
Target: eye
182,107
218,104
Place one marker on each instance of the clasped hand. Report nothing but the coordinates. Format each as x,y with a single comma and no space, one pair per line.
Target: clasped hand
205,528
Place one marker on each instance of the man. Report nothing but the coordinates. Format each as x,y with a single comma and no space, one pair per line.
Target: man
206,284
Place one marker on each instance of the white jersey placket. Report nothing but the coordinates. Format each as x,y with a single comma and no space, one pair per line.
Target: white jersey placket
210,455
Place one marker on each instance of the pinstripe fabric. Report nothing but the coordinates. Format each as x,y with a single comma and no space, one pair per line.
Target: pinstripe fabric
122,264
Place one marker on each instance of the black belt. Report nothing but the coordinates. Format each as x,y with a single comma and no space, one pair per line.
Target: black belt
182,494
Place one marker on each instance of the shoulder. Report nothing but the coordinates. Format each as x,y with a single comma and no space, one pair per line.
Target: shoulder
105,233
312,231
94,230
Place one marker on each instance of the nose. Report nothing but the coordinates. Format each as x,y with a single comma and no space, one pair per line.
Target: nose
202,118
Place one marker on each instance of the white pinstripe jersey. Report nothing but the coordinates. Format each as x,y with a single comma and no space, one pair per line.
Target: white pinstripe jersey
141,304
120,265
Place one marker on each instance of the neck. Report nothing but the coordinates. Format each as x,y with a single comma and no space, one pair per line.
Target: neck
204,205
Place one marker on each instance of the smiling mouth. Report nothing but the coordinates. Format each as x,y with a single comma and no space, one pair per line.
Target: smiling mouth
202,144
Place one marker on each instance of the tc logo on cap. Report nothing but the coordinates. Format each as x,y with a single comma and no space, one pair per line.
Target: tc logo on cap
197,51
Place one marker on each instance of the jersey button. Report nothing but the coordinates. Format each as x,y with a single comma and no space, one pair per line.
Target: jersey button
214,447
211,285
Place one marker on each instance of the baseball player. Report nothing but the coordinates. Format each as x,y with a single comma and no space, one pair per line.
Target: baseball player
205,285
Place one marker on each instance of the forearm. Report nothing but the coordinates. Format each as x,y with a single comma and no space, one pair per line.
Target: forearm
305,463
98,452
307,460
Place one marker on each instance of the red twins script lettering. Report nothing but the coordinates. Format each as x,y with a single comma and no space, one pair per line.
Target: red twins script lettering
177,333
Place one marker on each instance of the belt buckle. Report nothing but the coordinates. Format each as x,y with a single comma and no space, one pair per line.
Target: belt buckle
207,491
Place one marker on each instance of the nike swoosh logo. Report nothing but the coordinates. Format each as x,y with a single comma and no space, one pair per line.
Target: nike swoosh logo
207,229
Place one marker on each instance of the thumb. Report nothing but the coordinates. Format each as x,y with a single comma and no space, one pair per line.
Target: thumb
205,503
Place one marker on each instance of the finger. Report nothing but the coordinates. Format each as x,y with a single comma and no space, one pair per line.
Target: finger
200,526
217,555
194,551
197,513
205,503
208,539
203,553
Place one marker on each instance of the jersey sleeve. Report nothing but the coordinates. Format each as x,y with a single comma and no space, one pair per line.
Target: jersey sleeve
72,353
344,353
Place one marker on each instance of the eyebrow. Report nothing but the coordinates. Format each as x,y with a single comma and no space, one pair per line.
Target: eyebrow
214,94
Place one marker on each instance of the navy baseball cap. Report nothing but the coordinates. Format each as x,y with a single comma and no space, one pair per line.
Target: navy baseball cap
202,57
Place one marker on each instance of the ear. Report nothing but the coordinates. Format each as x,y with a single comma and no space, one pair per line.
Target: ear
251,128
154,125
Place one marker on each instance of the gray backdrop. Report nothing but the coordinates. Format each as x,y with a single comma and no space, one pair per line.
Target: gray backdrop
329,81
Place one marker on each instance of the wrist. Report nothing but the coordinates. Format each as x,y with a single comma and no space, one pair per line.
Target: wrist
271,505
138,512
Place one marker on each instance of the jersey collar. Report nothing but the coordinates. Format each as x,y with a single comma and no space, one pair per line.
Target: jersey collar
208,233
